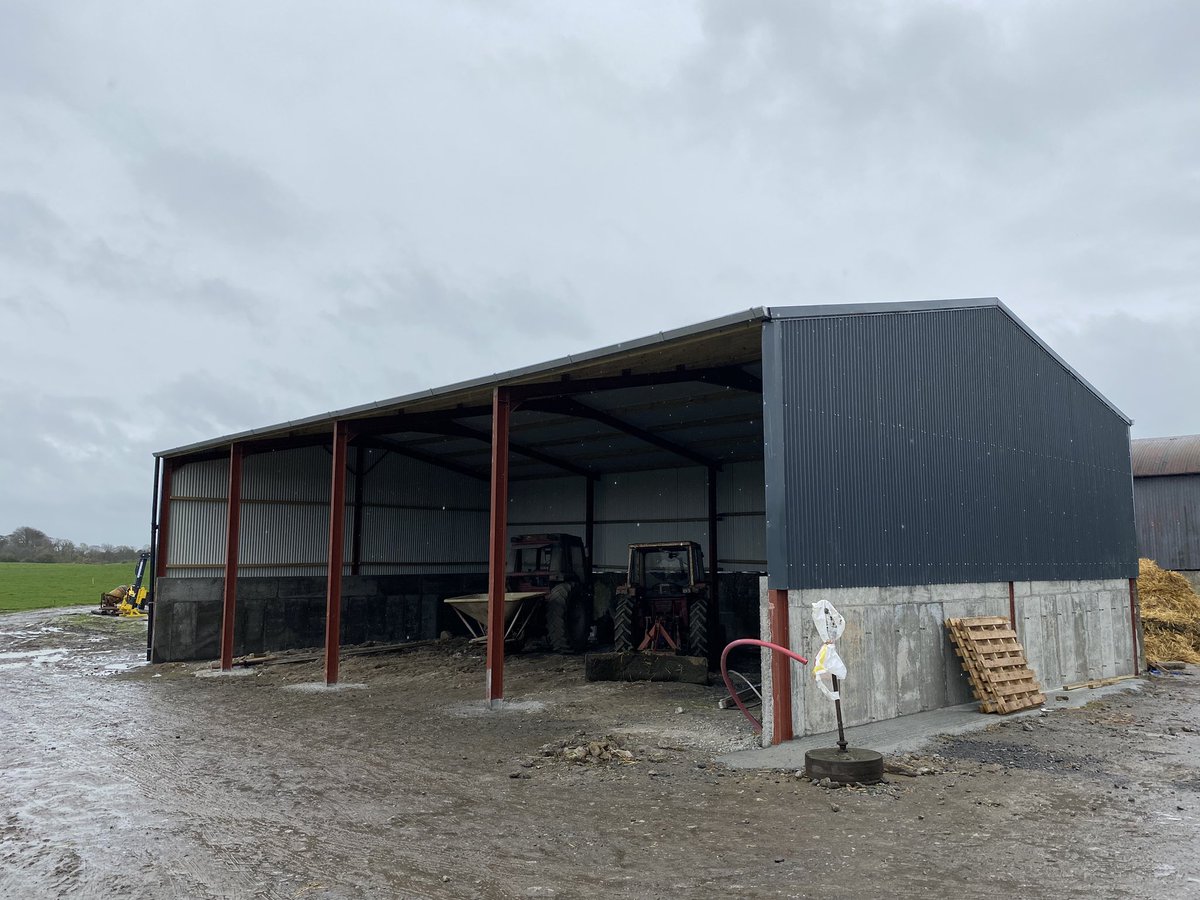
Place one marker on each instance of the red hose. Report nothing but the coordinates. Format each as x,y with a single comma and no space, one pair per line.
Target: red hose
754,642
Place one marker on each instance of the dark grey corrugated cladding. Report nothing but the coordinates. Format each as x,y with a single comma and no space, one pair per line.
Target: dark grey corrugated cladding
941,443
1167,509
1166,494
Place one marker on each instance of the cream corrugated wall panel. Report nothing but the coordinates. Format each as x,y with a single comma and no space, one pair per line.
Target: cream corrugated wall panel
201,479
289,534
399,480
301,474
196,540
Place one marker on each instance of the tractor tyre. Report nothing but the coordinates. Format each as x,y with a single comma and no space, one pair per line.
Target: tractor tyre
623,624
567,619
698,628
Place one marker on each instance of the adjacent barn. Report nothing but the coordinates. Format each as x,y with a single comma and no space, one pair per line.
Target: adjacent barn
908,461
1166,495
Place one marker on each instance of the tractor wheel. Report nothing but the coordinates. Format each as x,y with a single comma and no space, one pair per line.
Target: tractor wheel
567,618
623,624
698,628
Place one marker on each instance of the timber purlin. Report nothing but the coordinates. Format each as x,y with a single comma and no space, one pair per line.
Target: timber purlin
995,663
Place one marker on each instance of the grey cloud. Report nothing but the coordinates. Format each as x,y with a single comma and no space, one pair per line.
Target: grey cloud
35,309
29,231
1150,369
230,200
417,297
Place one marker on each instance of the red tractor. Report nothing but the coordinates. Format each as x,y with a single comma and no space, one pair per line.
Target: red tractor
557,565
663,605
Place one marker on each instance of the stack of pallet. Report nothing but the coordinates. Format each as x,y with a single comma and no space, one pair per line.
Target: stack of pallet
995,662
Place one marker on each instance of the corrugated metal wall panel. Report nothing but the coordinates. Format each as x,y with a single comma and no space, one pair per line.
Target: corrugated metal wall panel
300,475
742,543
400,480
202,479
196,540
653,494
937,447
612,541
741,488
416,540
557,502
286,535
1168,520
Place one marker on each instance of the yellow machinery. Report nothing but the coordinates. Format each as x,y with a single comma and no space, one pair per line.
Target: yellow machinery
127,600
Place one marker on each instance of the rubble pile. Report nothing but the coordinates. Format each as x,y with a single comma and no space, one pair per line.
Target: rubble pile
601,751
1170,614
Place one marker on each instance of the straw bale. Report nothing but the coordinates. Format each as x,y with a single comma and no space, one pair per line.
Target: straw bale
1170,614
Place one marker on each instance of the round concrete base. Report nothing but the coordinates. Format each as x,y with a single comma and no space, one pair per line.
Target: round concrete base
852,766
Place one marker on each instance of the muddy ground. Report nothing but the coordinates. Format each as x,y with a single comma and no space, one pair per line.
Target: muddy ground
128,780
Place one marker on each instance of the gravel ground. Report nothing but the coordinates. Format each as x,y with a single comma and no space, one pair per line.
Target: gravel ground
128,780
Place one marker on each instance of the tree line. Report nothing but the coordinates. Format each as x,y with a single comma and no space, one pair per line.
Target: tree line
27,544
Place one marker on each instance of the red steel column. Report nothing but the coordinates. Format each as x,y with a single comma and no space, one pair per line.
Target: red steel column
233,522
1133,620
498,546
164,522
337,538
781,668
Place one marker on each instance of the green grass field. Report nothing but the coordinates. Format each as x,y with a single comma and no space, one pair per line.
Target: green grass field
41,585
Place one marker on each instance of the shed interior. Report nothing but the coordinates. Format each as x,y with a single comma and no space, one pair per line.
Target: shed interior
660,439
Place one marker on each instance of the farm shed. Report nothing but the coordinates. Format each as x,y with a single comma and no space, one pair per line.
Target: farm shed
908,461
1166,502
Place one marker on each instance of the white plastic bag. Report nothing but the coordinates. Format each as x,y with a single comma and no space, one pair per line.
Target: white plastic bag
830,625
828,664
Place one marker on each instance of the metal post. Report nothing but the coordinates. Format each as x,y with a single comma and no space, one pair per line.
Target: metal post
589,523
714,567
498,547
150,588
360,460
781,669
233,521
164,523
337,537
1012,606
837,705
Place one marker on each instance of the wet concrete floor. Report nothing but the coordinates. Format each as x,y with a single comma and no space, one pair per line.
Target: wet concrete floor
127,780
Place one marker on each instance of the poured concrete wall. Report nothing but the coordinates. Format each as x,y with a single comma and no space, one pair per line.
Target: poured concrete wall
901,661
289,612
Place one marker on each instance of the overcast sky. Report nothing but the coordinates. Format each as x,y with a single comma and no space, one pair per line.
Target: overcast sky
216,216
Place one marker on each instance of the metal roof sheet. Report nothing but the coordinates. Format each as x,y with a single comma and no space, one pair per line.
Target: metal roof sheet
727,341
1179,455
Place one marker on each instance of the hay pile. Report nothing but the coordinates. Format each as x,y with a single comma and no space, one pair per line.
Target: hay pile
1170,614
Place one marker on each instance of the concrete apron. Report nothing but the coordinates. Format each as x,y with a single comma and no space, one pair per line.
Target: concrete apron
906,734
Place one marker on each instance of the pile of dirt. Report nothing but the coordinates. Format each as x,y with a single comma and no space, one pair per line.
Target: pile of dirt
1170,614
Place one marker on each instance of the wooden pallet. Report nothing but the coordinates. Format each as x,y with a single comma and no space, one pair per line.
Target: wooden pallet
995,663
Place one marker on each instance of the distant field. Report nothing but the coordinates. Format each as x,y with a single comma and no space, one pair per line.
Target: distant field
39,585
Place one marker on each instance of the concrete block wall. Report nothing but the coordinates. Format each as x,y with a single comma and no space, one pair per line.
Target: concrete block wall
900,658
287,613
